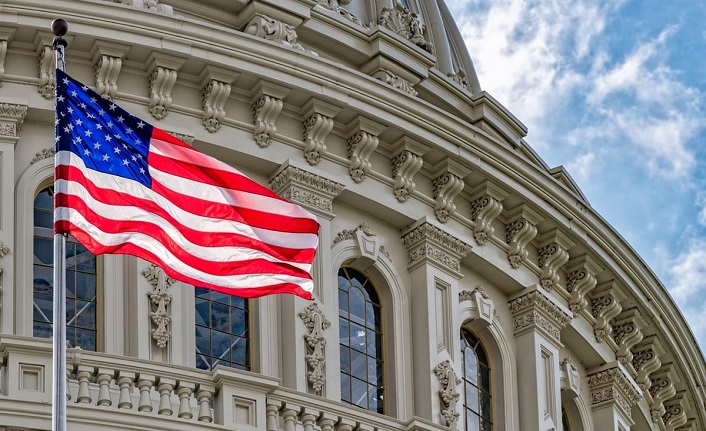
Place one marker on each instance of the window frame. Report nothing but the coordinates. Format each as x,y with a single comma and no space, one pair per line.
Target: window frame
479,344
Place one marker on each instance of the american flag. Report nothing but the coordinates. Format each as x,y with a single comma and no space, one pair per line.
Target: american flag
124,186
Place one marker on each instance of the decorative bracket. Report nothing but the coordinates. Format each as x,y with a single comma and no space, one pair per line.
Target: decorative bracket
12,116
520,229
661,390
160,299
406,162
266,104
316,323
675,411
570,380
47,68
6,35
108,60
627,332
271,29
427,244
312,191
553,253
162,72
447,183
448,393
581,279
486,204
318,124
479,305
605,305
645,360
215,89
405,23
394,81
362,142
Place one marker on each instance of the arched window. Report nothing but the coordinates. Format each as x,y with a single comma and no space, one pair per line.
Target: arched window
222,330
81,281
360,330
476,382
565,422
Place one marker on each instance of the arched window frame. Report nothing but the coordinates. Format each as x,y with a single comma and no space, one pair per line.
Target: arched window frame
472,379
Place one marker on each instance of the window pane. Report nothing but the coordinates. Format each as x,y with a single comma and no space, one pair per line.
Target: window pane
43,219
222,330
359,393
343,303
44,251
220,316
358,337
343,332
486,425
470,369
359,365
476,376
472,398
485,405
85,314
357,305
345,388
345,360
485,378
85,286
238,320
220,345
472,421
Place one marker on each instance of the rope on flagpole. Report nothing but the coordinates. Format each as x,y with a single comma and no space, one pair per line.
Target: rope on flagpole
59,27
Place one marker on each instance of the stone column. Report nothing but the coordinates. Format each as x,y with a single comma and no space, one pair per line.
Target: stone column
434,264
613,393
11,117
537,323
316,194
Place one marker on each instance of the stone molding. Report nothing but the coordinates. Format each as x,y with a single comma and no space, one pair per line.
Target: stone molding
581,279
553,254
316,323
12,115
362,142
312,191
394,81
612,386
267,102
334,6
107,60
215,91
45,153
535,311
447,182
646,360
427,244
160,300
486,205
162,73
605,305
189,139
317,125
406,24
268,28
368,244
627,332
482,309
447,392
520,229
661,390
6,36
406,162
570,380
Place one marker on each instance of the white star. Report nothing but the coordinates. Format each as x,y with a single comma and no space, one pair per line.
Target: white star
88,133
134,159
101,112
70,110
128,131
84,88
142,170
60,98
78,139
56,122
121,119
108,138
97,145
140,124
125,146
125,162
112,106
139,156
71,126
93,100
74,93
56,138
99,126
66,80
110,124
89,115
66,130
86,151
79,122
105,157
116,150
138,141
82,105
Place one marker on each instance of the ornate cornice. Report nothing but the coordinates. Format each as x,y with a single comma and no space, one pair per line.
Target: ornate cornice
447,182
627,332
447,392
535,311
427,243
612,385
12,116
520,229
394,81
268,28
406,162
160,299
318,123
581,279
405,23
486,205
312,191
646,360
553,254
362,142
605,305
316,323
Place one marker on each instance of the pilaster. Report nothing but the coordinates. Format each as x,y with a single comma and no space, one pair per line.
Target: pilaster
362,143
406,162
520,229
553,254
11,117
434,257
537,323
267,102
447,180
486,205
613,393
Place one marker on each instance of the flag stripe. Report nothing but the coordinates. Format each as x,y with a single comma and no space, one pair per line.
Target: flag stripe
263,283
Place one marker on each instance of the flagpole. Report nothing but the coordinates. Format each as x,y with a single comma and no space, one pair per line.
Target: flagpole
59,27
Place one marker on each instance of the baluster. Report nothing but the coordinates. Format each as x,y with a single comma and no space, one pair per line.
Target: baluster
104,378
290,417
308,418
68,388
327,421
125,380
83,374
184,392
144,384
272,410
204,396
165,391
345,425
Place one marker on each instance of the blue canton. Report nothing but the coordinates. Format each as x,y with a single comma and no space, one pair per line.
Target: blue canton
105,136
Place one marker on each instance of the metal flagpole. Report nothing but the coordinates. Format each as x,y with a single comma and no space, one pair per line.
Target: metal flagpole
58,418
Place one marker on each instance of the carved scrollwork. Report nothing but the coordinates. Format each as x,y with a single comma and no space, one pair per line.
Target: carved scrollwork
107,71
43,154
334,6
266,109
214,96
445,189
316,323
604,307
661,390
4,250
627,332
460,78
404,166
447,392
361,146
485,208
551,258
581,279
675,414
3,53
316,129
268,28
394,81
47,73
405,23
161,82
160,299
646,360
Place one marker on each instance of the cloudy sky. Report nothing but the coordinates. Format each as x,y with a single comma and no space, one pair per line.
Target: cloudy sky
614,90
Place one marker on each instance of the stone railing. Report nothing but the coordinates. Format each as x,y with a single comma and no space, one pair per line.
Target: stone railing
130,393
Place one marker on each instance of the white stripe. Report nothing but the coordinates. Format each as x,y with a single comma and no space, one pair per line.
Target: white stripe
217,194
214,254
156,248
209,224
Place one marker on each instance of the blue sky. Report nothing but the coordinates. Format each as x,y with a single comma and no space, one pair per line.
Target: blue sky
614,90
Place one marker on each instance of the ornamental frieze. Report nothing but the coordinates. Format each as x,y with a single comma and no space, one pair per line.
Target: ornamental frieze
12,116
305,188
535,310
429,243
613,385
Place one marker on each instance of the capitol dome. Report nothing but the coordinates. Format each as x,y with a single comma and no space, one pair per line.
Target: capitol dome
460,282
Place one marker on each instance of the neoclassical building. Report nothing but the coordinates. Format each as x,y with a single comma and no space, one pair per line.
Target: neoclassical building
460,282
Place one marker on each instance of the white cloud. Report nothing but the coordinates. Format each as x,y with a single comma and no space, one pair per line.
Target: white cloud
687,279
580,168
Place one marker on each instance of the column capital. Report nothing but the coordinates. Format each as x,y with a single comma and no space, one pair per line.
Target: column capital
426,243
12,115
536,311
307,189
612,386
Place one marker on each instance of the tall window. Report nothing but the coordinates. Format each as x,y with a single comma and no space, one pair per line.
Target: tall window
81,281
222,330
565,422
360,329
476,382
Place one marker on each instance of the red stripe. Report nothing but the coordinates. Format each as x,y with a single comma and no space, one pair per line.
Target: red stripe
134,250
112,197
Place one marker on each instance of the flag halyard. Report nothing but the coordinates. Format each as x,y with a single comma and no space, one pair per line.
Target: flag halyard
124,186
